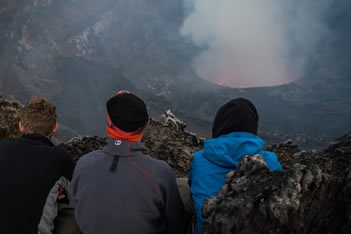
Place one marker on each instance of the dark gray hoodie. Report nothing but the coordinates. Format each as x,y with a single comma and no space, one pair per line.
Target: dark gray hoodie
121,190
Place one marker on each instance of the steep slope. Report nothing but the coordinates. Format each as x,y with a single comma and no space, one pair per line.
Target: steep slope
78,53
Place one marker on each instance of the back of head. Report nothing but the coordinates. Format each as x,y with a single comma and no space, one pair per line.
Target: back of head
127,116
237,115
38,116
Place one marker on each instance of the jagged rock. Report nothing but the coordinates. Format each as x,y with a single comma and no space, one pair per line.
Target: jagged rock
9,118
163,141
176,147
285,151
290,142
79,146
10,110
312,195
169,119
298,154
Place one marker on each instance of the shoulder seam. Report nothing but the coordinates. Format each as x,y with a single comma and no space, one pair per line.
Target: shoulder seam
143,171
87,164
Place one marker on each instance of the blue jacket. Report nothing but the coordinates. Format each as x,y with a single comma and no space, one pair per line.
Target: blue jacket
220,156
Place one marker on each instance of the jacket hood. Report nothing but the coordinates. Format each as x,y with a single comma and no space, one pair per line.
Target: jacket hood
237,115
227,150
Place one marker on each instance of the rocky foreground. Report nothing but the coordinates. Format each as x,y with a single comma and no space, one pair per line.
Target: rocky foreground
9,117
311,195
165,140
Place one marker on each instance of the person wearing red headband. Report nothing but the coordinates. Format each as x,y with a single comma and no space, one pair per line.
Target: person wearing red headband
119,189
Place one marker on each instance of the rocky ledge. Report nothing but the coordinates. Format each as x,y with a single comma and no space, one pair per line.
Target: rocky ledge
311,195
9,117
165,140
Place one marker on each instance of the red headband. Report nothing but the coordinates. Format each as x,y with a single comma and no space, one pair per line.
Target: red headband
118,134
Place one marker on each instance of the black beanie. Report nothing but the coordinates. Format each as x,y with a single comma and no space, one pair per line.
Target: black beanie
237,115
127,111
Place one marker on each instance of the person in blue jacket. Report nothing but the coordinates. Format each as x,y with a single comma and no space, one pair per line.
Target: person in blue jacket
234,134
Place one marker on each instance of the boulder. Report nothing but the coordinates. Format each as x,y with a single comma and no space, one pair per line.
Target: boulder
171,144
311,195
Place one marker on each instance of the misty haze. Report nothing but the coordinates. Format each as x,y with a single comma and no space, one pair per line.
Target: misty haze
290,58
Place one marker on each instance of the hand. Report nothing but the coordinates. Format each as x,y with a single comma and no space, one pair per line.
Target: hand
62,193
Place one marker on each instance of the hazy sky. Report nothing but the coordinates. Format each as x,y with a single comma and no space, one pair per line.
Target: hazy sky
254,42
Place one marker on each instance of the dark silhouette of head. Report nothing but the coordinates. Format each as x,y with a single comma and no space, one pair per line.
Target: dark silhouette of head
237,115
127,111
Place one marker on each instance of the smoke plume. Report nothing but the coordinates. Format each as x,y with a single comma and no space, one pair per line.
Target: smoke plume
255,43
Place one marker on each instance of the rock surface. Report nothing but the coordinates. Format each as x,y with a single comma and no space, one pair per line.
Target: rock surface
68,50
169,143
79,146
10,110
164,142
9,117
312,195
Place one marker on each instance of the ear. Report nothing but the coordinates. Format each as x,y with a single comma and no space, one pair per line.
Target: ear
55,128
20,126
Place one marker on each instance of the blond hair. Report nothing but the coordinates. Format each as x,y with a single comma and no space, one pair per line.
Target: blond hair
38,116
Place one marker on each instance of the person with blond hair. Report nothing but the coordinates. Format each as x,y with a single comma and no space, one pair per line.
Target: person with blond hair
32,171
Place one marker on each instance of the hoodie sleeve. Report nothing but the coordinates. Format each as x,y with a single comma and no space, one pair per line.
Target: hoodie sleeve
173,205
272,161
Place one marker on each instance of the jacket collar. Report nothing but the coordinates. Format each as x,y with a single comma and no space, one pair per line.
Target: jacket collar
122,148
38,138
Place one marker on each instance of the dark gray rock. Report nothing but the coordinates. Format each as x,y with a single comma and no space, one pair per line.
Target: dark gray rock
164,142
312,195
79,146
175,146
9,117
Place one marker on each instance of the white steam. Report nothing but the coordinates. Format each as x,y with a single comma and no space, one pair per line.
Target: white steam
250,43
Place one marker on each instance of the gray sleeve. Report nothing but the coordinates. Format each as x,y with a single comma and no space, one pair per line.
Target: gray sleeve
174,208
50,210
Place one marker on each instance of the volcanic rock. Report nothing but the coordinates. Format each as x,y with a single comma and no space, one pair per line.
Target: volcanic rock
311,195
68,50
171,144
9,118
10,110
79,146
169,119
164,142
